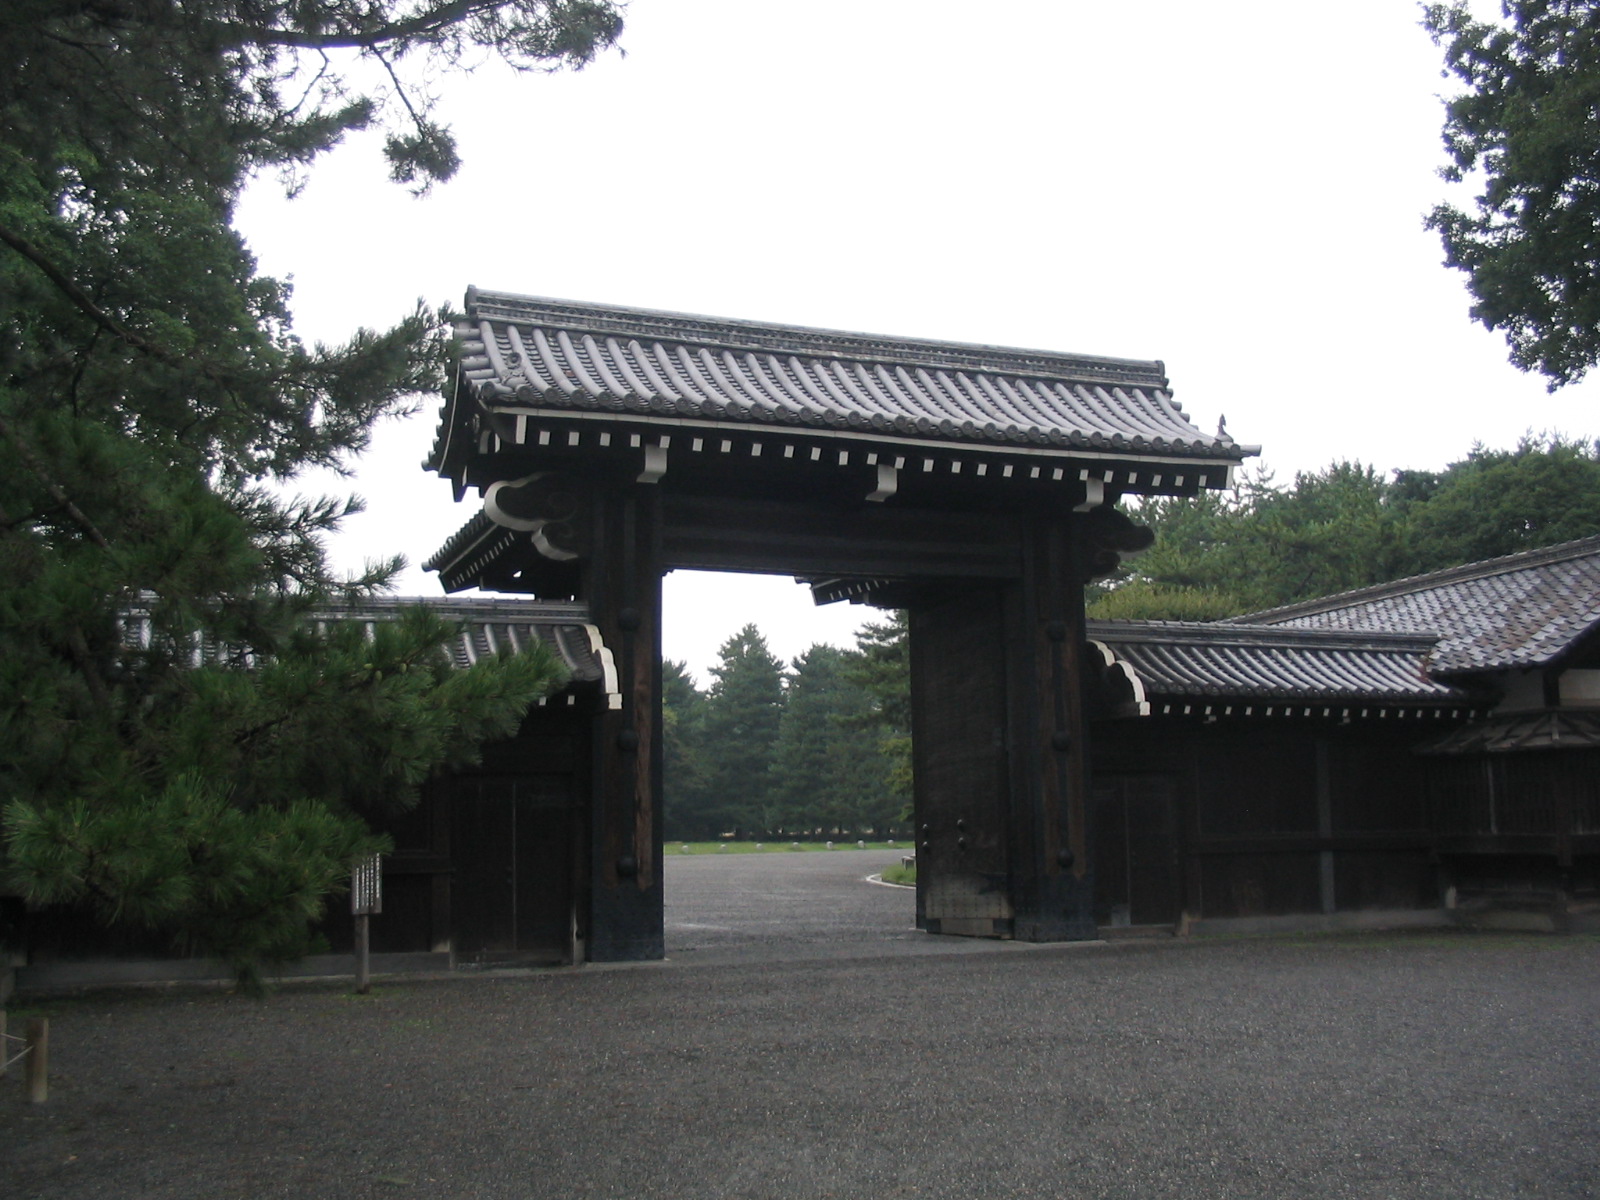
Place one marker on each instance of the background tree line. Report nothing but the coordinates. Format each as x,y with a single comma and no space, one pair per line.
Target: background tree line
821,746
1348,526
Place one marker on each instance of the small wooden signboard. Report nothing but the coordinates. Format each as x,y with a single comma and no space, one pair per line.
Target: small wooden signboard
366,898
366,886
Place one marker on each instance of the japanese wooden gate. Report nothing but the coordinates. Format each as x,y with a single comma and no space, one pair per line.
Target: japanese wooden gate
969,485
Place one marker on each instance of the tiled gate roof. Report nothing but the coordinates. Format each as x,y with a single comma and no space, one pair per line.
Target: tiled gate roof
533,353
493,626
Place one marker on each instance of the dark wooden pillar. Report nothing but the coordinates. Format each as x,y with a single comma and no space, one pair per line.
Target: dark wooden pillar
622,583
1051,862
1001,766
958,690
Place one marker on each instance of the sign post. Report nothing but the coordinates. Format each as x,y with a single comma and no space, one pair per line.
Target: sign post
366,898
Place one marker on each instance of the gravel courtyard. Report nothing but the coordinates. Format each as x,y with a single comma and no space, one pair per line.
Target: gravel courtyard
847,1057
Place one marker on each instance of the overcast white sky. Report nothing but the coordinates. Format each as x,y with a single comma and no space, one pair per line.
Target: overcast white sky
1236,188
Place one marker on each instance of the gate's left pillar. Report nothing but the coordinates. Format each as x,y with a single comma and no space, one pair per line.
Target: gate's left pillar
622,584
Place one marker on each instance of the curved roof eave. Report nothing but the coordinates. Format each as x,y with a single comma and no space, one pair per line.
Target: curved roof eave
531,354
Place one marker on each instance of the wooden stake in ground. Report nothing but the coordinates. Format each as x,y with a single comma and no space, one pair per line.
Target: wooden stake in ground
363,959
36,1067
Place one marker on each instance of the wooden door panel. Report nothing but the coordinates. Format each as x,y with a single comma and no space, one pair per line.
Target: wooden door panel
512,849
482,832
543,866
958,740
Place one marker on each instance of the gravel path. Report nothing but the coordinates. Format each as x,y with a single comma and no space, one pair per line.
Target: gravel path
748,907
1368,1066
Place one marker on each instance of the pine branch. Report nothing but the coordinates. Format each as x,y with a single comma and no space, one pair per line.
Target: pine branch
32,462
426,24
80,298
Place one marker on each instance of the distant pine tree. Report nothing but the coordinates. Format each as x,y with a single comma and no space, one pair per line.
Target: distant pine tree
828,769
1347,526
684,754
742,715
880,665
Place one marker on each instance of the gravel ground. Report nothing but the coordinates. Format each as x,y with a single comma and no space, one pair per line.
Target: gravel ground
1401,1065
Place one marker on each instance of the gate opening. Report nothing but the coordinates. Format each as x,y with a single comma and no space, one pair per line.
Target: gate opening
785,767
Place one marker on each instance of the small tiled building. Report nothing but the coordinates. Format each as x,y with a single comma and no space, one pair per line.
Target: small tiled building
1514,797
1424,750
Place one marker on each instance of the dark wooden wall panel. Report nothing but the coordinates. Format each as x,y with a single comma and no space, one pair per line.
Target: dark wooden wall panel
1255,781
1260,885
1401,879
1378,782
1138,865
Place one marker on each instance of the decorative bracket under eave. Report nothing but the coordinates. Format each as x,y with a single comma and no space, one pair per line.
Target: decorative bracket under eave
539,506
888,483
655,463
1121,688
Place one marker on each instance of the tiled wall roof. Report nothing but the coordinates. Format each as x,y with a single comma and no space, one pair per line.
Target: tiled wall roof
1519,611
488,627
1180,659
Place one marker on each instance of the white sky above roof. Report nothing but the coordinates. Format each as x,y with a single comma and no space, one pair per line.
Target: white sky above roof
1235,188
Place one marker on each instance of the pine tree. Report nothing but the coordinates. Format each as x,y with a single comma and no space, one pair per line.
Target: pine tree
1260,545
828,769
742,714
1525,134
880,665
1493,502
153,403
684,751
1346,526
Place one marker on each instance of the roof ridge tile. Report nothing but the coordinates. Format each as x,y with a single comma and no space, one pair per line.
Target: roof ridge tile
809,341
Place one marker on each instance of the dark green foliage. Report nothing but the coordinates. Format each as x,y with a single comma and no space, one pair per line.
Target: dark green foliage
742,713
1346,527
237,884
880,665
222,803
202,92
1527,130
1143,599
153,401
1497,502
829,771
1190,573
769,753
1258,546
684,753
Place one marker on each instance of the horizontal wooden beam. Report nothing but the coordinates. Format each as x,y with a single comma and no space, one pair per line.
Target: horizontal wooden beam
1310,843
797,538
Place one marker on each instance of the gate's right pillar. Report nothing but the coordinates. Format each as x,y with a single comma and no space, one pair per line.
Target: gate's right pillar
1000,760
1051,863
